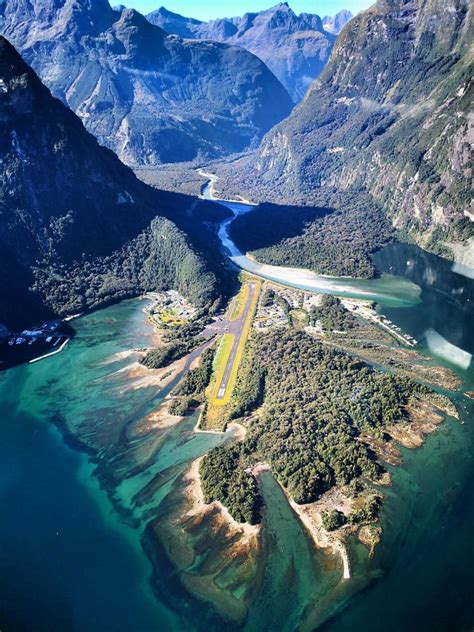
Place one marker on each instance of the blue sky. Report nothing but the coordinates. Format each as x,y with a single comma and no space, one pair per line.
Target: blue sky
209,9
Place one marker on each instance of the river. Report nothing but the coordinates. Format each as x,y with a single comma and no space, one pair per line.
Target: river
387,290
73,555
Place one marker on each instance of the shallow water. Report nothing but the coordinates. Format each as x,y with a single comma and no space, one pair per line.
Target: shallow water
426,556
75,544
67,560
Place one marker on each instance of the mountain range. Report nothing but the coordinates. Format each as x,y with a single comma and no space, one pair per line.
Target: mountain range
149,96
78,230
294,47
386,126
390,115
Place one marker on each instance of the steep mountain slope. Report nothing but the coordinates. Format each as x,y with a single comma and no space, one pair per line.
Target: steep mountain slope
148,96
335,24
77,229
392,115
176,24
295,48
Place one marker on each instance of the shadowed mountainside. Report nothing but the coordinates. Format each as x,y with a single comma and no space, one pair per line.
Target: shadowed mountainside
77,229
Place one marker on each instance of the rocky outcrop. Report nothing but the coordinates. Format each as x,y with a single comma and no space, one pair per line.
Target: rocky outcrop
294,47
150,97
391,115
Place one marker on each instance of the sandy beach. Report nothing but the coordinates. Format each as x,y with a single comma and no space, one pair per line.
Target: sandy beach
116,357
308,280
141,377
299,277
310,517
194,490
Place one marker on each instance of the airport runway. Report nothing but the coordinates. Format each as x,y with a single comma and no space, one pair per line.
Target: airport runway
237,330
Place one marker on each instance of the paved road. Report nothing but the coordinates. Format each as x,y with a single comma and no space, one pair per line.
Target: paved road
237,329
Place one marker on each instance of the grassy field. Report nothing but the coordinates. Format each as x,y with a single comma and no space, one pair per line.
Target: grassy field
217,409
170,319
239,302
220,362
299,318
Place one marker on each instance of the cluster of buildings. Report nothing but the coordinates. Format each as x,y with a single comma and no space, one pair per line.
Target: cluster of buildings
271,316
367,311
169,308
293,298
32,345
47,332
285,300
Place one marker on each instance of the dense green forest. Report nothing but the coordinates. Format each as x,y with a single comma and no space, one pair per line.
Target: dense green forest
162,256
332,520
328,241
332,315
197,380
79,231
190,391
223,479
318,405
165,355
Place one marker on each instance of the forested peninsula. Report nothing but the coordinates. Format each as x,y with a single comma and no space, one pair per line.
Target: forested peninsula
316,413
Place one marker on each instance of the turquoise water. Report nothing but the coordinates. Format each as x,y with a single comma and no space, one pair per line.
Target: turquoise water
74,518
67,561
294,576
427,556
80,485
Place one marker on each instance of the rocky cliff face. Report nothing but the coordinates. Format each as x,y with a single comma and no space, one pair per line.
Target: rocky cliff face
294,47
150,97
77,229
391,114
335,24
176,24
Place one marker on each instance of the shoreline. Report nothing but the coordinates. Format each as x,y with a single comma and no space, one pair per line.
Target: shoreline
194,490
309,281
302,278
321,538
52,353
371,315
309,515
158,419
142,376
